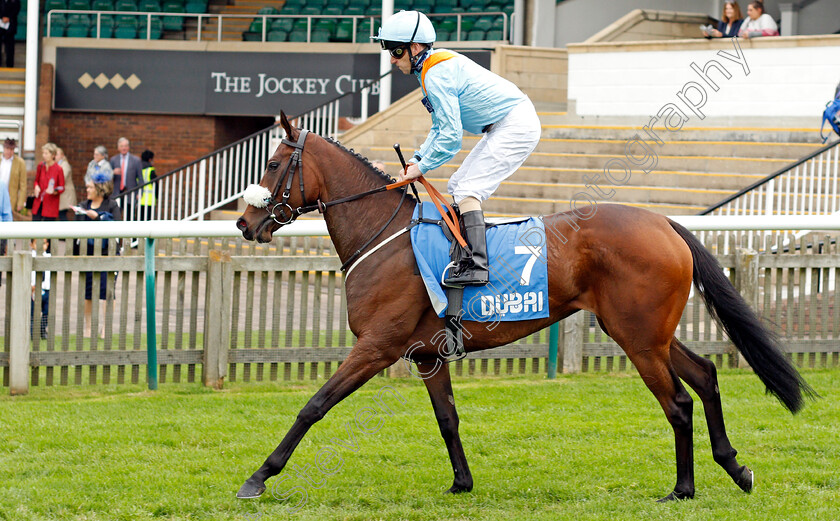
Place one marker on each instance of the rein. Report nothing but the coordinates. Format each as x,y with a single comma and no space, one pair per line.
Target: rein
260,197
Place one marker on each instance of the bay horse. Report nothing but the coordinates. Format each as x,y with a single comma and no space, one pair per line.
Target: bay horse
630,267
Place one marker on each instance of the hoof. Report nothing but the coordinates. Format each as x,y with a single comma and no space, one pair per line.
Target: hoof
250,490
675,496
746,480
459,489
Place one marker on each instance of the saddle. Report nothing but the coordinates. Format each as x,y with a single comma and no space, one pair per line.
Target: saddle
507,296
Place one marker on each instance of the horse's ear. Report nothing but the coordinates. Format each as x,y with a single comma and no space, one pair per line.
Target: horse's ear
284,122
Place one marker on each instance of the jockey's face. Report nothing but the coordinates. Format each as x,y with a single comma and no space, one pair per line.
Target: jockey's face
403,63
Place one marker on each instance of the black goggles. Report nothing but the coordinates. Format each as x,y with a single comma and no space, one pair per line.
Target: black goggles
395,49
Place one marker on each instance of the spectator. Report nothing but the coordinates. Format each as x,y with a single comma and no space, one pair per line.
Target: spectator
99,165
128,174
45,293
14,168
758,23
730,22
98,207
147,195
9,10
49,184
68,196
5,202
12,185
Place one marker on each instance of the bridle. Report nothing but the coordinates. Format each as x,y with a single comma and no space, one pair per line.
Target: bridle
295,164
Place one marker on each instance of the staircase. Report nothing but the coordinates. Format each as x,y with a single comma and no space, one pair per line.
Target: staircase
697,166
232,28
12,82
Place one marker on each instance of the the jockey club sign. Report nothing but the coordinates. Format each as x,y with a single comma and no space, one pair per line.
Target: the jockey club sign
217,83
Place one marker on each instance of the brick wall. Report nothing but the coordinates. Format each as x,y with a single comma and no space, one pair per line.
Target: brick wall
175,140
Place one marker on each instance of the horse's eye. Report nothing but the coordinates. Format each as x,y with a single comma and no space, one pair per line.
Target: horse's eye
274,165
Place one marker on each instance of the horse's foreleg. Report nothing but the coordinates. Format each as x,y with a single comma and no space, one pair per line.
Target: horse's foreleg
363,362
439,386
700,374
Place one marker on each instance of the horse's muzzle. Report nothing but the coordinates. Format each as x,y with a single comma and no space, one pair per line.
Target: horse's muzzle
242,225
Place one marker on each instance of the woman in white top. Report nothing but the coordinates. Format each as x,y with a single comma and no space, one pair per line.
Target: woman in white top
758,23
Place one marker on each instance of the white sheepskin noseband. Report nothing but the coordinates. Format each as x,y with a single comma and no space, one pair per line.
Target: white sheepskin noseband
257,196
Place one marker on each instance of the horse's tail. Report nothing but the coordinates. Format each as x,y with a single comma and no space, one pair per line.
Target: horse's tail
757,343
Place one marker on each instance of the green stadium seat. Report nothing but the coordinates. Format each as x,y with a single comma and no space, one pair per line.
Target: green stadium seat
374,10
359,3
354,10
277,36
79,5
467,22
102,5
297,36
173,23
256,26
250,36
443,36
268,10
332,10
195,6
106,26
475,9
310,10
424,6
475,35
300,24
443,6
156,28
54,4
149,6
56,31
56,20
493,34
344,31
125,5
483,23
447,24
320,35
283,24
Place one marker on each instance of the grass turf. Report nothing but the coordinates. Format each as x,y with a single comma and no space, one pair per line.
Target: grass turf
579,447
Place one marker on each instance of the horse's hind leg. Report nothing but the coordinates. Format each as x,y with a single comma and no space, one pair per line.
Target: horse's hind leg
439,385
700,374
662,380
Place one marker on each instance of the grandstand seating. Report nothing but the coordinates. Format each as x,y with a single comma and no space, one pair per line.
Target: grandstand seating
473,28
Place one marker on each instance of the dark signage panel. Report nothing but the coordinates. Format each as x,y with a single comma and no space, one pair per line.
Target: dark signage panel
218,83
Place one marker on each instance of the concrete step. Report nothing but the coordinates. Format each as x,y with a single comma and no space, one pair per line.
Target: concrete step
687,133
513,206
787,151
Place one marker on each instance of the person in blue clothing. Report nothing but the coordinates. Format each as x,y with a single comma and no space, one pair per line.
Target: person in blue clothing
461,95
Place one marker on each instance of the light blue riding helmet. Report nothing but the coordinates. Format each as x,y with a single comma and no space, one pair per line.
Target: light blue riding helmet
406,27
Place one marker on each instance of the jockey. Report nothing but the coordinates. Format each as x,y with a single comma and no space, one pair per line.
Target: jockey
461,95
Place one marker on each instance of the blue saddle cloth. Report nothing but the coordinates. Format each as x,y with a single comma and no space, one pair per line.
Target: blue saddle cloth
518,286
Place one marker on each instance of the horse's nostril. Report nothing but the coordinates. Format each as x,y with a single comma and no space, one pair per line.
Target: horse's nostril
241,224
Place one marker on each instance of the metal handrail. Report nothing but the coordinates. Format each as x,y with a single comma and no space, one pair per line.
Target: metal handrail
201,17
767,179
261,138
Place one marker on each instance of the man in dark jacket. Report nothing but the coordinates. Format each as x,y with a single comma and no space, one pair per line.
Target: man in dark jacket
128,174
9,10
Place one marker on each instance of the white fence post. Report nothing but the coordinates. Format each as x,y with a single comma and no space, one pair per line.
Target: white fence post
19,332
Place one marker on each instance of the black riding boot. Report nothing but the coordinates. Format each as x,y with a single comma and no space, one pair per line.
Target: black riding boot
475,271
